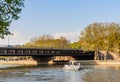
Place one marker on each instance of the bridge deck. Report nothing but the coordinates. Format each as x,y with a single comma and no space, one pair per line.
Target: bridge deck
5,51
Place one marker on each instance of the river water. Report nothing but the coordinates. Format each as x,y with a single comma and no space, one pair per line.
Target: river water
55,73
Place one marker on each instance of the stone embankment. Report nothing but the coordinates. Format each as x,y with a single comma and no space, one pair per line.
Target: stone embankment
19,62
32,61
114,56
83,62
99,62
60,59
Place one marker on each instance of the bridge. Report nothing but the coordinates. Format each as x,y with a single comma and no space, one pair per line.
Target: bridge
46,52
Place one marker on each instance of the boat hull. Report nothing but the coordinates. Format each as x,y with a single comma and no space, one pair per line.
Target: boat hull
71,67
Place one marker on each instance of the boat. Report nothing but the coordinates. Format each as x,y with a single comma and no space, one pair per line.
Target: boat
72,65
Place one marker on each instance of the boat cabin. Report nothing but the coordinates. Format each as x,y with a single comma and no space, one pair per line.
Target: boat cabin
74,63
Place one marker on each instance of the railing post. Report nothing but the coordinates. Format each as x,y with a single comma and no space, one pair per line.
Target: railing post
5,51
29,52
22,52
14,52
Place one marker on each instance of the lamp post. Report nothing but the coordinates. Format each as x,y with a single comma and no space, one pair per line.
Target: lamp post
9,39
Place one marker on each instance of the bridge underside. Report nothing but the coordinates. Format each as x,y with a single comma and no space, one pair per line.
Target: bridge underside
84,57
46,59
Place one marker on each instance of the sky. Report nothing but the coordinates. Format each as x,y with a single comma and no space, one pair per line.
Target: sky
60,18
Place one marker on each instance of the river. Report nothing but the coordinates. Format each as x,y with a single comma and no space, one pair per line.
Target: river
55,73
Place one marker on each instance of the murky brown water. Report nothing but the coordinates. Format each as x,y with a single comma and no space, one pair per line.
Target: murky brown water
57,74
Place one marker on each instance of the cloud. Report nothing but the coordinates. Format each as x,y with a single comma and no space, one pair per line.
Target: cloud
16,39
71,36
19,38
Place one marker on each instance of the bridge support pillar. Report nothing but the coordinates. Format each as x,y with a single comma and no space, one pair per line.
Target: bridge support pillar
42,59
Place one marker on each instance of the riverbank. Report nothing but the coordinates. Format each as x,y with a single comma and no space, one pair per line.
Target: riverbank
20,62
83,62
99,62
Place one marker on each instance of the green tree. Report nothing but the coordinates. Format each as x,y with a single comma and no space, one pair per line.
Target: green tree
64,43
101,36
47,41
9,10
75,45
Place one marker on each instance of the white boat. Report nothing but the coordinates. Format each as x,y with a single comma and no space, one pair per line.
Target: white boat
72,65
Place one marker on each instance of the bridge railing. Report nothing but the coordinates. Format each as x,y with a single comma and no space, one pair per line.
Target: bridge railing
38,51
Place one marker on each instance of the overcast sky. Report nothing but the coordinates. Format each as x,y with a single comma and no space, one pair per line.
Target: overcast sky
60,18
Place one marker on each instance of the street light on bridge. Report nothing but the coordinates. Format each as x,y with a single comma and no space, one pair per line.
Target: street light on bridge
9,39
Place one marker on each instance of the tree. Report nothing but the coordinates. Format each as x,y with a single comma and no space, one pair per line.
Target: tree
64,43
101,36
9,10
75,45
47,41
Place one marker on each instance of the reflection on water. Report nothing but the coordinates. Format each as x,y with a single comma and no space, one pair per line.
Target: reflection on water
103,74
6,66
57,74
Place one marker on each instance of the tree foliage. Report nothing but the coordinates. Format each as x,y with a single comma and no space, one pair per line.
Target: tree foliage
47,41
75,45
101,36
9,10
